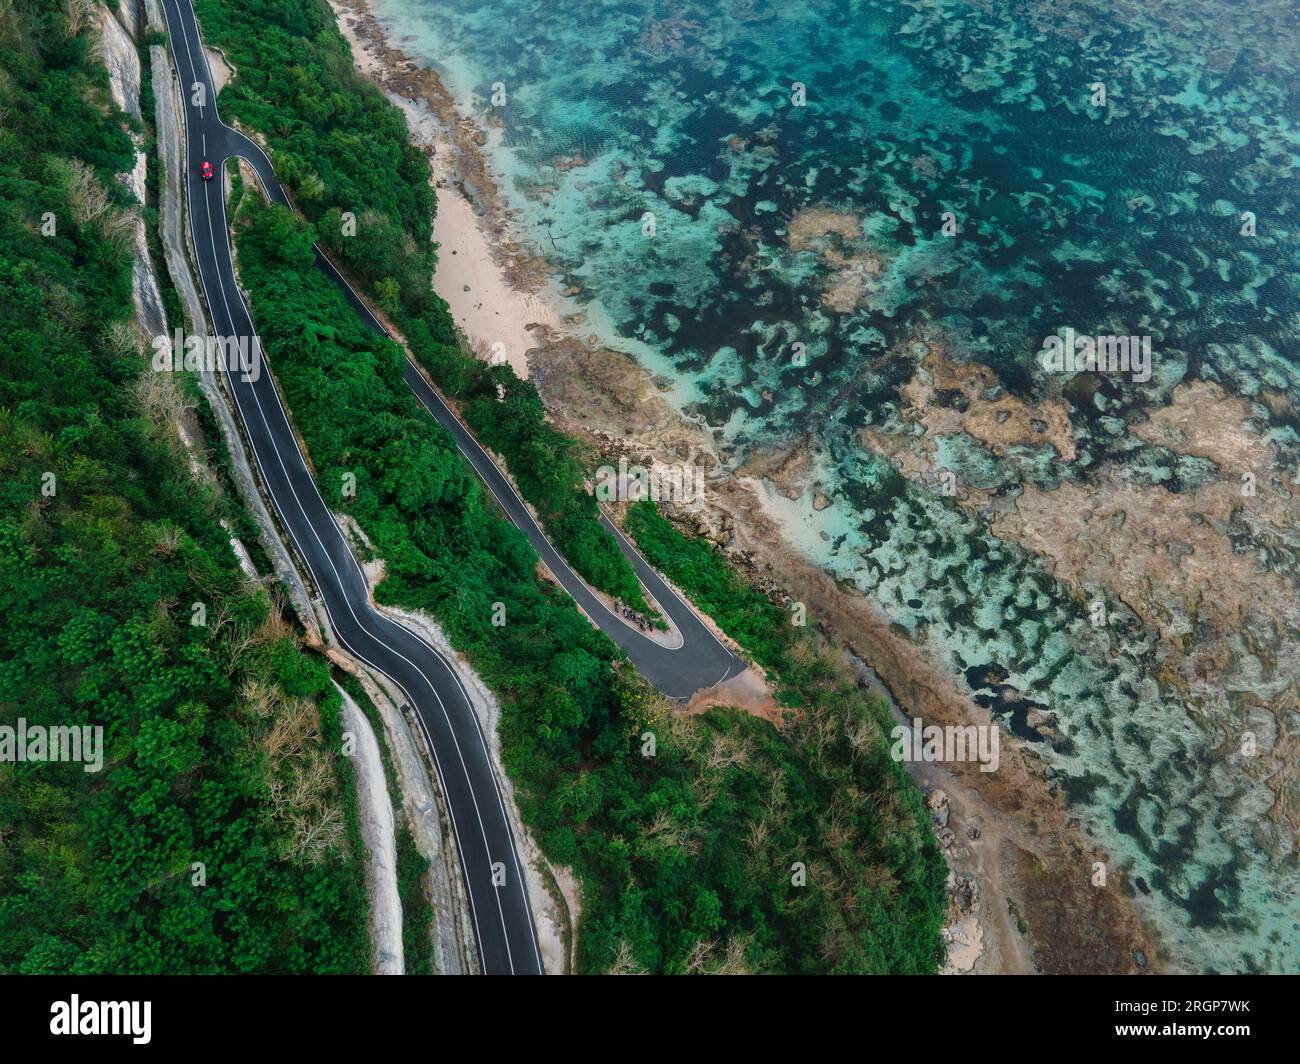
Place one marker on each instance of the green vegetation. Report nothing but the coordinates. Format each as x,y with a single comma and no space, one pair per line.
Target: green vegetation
693,564
507,415
342,149
837,736
417,911
236,176
685,857
219,738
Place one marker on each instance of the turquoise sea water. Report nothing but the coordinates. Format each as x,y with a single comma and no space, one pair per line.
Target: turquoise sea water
1124,217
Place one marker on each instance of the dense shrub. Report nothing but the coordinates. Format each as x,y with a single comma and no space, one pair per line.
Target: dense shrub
684,857
97,584
339,147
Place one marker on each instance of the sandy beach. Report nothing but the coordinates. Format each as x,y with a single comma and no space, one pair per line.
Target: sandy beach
1014,835
499,320
502,318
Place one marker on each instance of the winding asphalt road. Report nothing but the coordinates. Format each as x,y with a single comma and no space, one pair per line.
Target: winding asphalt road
699,659
496,888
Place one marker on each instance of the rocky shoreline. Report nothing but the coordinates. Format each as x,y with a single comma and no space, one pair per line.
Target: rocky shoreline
1021,888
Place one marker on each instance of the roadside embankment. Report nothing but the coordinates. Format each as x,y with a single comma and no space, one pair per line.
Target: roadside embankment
449,929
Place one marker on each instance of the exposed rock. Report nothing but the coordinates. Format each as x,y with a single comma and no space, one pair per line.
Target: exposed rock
1044,723
375,819
948,397
812,227
168,125
118,50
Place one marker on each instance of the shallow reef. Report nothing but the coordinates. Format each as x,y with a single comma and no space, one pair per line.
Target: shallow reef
865,273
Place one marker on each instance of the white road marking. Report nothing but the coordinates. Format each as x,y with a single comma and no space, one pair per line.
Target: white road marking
487,459
733,660
339,579
357,620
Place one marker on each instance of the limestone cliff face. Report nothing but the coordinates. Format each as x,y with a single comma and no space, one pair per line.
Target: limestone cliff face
119,32
376,823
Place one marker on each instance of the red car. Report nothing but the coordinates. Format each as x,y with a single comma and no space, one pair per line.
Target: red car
205,170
